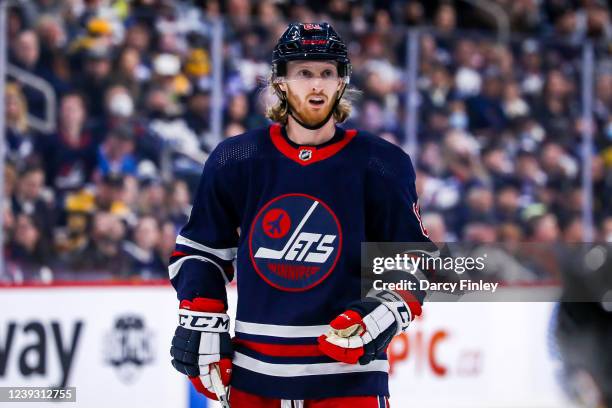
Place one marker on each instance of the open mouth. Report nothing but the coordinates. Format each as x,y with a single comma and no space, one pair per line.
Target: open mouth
316,101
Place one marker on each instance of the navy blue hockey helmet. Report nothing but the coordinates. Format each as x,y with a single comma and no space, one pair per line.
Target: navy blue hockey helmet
310,41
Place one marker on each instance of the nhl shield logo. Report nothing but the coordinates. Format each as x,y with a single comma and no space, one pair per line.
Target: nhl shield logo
295,242
305,154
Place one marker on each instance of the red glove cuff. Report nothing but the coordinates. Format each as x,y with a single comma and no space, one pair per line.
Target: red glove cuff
412,302
203,305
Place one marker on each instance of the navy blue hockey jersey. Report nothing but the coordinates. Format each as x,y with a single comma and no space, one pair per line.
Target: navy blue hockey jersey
293,219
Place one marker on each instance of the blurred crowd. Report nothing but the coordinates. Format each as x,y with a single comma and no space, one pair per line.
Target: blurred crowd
103,195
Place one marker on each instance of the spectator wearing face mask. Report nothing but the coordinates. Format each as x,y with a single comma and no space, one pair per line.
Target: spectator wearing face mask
120,114
514,106
118,106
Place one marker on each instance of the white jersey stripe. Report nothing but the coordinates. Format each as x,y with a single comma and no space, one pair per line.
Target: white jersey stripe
175,267
280,331
226,254
301,370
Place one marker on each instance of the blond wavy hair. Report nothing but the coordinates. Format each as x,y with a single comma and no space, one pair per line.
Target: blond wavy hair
277,108
14,90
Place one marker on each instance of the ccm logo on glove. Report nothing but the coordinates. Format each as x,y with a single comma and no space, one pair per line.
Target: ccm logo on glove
205,322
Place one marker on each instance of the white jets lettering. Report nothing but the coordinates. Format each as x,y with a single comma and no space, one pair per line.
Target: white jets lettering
298,247
324,250
303,242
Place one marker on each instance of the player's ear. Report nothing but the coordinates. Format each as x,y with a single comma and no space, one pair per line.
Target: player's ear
282,86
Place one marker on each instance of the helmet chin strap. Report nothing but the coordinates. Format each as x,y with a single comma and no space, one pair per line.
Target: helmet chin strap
321,123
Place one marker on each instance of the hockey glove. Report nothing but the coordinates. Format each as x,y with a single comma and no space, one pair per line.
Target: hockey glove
201,342
366,328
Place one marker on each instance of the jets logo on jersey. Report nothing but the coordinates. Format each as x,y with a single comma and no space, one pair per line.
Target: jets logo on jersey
295,242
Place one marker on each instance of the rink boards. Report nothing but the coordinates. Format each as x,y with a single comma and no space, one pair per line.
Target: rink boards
111,341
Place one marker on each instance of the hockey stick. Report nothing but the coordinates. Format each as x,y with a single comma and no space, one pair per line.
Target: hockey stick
217,384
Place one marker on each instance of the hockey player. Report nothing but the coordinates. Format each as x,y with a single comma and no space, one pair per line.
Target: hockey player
291,204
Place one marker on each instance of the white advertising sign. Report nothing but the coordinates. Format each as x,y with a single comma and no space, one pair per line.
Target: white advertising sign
476,355
111,343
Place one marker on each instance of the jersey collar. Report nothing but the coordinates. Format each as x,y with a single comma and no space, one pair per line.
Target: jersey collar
306,155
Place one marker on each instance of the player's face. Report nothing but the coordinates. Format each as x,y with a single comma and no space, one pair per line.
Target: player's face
311,88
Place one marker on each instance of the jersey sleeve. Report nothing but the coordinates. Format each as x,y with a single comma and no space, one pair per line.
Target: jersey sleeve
394,206
202,263
394,215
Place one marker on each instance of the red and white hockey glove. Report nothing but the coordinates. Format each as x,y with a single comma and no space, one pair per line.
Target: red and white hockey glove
201,342
366,328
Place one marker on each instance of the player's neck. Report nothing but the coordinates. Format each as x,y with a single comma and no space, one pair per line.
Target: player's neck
302,136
